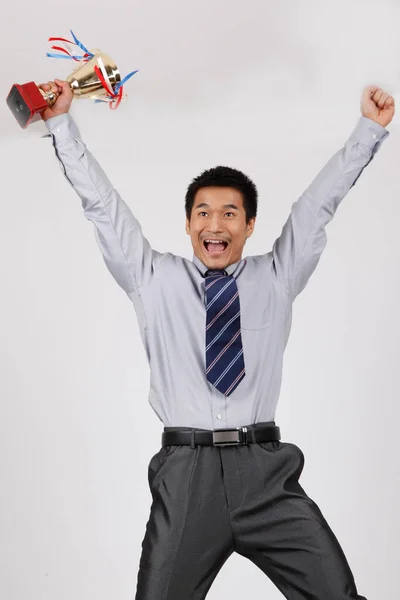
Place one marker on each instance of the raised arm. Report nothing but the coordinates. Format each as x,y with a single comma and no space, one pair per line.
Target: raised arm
297,250
126,252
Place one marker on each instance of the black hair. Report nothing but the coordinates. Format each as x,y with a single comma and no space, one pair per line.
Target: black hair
224,177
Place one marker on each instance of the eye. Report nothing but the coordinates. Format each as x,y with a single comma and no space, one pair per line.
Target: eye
204,213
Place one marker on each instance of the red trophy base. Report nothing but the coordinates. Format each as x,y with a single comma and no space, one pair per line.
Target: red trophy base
26,103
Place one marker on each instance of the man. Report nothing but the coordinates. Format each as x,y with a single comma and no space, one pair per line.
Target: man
215,329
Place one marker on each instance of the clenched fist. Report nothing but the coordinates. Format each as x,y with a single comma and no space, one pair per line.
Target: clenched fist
378,105
64,100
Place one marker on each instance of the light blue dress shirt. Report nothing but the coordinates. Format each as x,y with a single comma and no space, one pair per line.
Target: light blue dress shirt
167,291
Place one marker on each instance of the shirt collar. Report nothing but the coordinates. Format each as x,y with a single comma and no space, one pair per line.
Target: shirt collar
203,268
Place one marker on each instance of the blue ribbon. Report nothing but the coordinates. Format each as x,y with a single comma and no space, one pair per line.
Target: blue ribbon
80,44
63,56
119,84
124,80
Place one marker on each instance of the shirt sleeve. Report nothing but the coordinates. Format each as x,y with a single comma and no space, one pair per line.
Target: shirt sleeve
126,252
297,250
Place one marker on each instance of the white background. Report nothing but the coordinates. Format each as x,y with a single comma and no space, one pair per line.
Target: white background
271,88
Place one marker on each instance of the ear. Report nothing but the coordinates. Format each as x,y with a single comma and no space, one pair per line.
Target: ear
250,227
187,226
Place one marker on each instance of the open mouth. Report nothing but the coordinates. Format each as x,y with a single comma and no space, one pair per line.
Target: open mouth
215,248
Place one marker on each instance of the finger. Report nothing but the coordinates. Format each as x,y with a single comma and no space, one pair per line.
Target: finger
62,84
368,92
377,96
382,99
389,102
51,86
372,88
64,88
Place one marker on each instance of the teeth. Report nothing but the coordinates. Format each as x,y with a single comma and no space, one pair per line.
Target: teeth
214,241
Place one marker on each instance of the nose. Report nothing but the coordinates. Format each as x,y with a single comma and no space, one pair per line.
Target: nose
215,224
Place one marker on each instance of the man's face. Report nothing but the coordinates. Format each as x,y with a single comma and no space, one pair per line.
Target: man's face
218,214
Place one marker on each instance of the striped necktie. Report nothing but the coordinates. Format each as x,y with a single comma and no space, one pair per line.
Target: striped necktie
224,351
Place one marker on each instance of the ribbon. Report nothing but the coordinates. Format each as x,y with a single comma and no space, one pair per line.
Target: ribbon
114,95
85,57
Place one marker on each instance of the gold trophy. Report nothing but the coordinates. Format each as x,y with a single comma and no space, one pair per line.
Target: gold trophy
95,77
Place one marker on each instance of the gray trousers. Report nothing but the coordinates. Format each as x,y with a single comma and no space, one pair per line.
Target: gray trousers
211,501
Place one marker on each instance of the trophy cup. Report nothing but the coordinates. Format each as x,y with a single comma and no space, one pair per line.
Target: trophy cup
95,77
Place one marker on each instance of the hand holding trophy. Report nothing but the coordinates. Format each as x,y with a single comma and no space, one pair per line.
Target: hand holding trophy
96,77
62,92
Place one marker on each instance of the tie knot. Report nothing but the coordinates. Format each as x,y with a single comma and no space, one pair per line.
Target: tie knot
215,272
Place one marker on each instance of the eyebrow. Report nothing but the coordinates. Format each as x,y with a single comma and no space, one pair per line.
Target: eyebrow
204,205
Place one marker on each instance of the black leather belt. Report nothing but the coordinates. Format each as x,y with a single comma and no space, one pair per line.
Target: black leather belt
220,437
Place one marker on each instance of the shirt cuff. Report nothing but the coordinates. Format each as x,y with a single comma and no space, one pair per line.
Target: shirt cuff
62,128
369,133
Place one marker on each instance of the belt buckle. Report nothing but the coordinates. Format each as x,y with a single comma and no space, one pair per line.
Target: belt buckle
230,437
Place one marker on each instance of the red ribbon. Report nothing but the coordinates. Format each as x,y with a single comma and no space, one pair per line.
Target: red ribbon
58,39
116,97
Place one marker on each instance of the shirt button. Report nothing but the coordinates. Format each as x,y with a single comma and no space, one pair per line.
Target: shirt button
219,416
374,136
58,129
